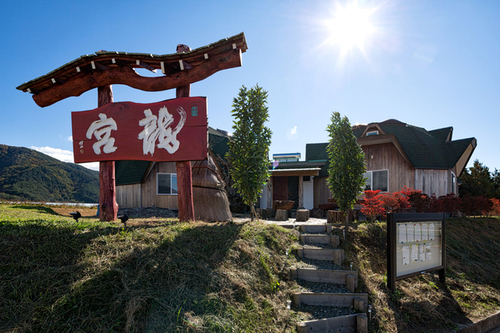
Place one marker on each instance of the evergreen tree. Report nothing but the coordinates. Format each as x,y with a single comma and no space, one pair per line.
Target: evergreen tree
346,164
249,144
477,181
496,183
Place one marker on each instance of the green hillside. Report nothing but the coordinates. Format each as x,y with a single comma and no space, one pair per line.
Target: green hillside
26,174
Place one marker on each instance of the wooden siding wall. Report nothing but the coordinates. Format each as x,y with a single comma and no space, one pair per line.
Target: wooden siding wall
387,157
149,196
321,191
128,196
436,182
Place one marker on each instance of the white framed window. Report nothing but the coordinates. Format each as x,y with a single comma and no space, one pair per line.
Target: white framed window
370,133
377,180
453,183
166,183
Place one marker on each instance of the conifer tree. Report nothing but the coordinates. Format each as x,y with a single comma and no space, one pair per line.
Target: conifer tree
249,144
346,164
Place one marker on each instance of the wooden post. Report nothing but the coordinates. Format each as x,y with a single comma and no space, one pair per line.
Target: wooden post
301,192
184,171
107,189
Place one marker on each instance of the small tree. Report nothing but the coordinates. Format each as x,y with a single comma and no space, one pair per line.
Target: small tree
249,144
346,164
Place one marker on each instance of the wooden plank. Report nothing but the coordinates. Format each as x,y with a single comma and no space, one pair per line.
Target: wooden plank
340,300
344,324
324,276
126,131
128,196
185,191
336,255
184,170
77,85
107,190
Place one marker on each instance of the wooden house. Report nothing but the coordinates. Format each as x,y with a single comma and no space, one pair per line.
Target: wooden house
396,154
154,184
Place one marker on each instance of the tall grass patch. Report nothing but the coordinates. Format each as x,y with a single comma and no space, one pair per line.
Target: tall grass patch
90,276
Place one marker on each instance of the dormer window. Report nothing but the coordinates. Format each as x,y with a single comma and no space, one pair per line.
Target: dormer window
372,133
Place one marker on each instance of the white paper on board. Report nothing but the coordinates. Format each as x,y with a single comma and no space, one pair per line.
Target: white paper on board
406,255
428,253
418,232
425,231
410,237
421,252
414,253
431,231
402,232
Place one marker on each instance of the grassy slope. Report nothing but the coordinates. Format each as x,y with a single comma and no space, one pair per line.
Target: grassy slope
423,303
58,275
163,276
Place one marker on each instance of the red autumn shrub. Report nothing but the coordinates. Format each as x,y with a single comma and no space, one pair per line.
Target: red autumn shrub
495,207
395,202
478,205
373,207
418,201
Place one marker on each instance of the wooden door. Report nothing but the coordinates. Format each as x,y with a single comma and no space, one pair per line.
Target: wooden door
280,188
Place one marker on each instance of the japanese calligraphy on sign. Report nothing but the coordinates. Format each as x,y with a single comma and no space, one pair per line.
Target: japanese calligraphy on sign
173,130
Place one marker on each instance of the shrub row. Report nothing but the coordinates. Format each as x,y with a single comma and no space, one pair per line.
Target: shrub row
376,205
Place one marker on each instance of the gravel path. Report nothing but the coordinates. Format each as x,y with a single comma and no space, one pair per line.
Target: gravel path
318,264
318,287
147,212
321,312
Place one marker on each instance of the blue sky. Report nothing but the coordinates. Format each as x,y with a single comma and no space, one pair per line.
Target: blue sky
431,64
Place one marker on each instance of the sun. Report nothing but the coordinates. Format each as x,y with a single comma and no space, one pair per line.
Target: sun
350,27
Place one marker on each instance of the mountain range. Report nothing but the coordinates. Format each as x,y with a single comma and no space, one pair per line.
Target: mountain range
27,174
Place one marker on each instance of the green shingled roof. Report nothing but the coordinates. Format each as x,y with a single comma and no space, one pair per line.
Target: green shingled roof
133,172
425,149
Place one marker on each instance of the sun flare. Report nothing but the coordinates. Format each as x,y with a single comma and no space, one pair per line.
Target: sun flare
350,26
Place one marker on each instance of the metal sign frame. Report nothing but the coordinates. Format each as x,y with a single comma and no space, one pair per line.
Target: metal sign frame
421,236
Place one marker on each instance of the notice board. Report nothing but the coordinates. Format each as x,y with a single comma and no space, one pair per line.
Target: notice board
416,244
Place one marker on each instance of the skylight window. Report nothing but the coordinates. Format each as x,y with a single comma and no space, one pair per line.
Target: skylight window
372,133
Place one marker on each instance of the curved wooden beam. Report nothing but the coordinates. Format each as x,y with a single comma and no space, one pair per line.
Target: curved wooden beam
77,85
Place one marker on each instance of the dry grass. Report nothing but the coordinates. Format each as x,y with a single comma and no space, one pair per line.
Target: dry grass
158,275
59,275
423,303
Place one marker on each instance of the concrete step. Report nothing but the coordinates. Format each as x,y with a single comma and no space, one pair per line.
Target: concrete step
357,300
353,323
335,255
347,278
314,228
333,240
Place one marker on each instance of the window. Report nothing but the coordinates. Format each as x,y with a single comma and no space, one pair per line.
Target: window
166,183
453,183
377,180
370,133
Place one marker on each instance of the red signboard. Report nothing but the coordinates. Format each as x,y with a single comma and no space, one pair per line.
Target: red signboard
172,130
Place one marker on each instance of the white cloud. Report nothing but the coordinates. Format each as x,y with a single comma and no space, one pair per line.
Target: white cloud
60,154
64,156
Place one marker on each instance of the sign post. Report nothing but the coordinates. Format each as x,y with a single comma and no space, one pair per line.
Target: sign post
108,208
104,68
184,171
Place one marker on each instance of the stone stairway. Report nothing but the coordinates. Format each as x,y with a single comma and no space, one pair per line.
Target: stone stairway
332,296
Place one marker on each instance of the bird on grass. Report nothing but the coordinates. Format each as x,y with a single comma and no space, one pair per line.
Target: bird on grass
76,215
124,219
